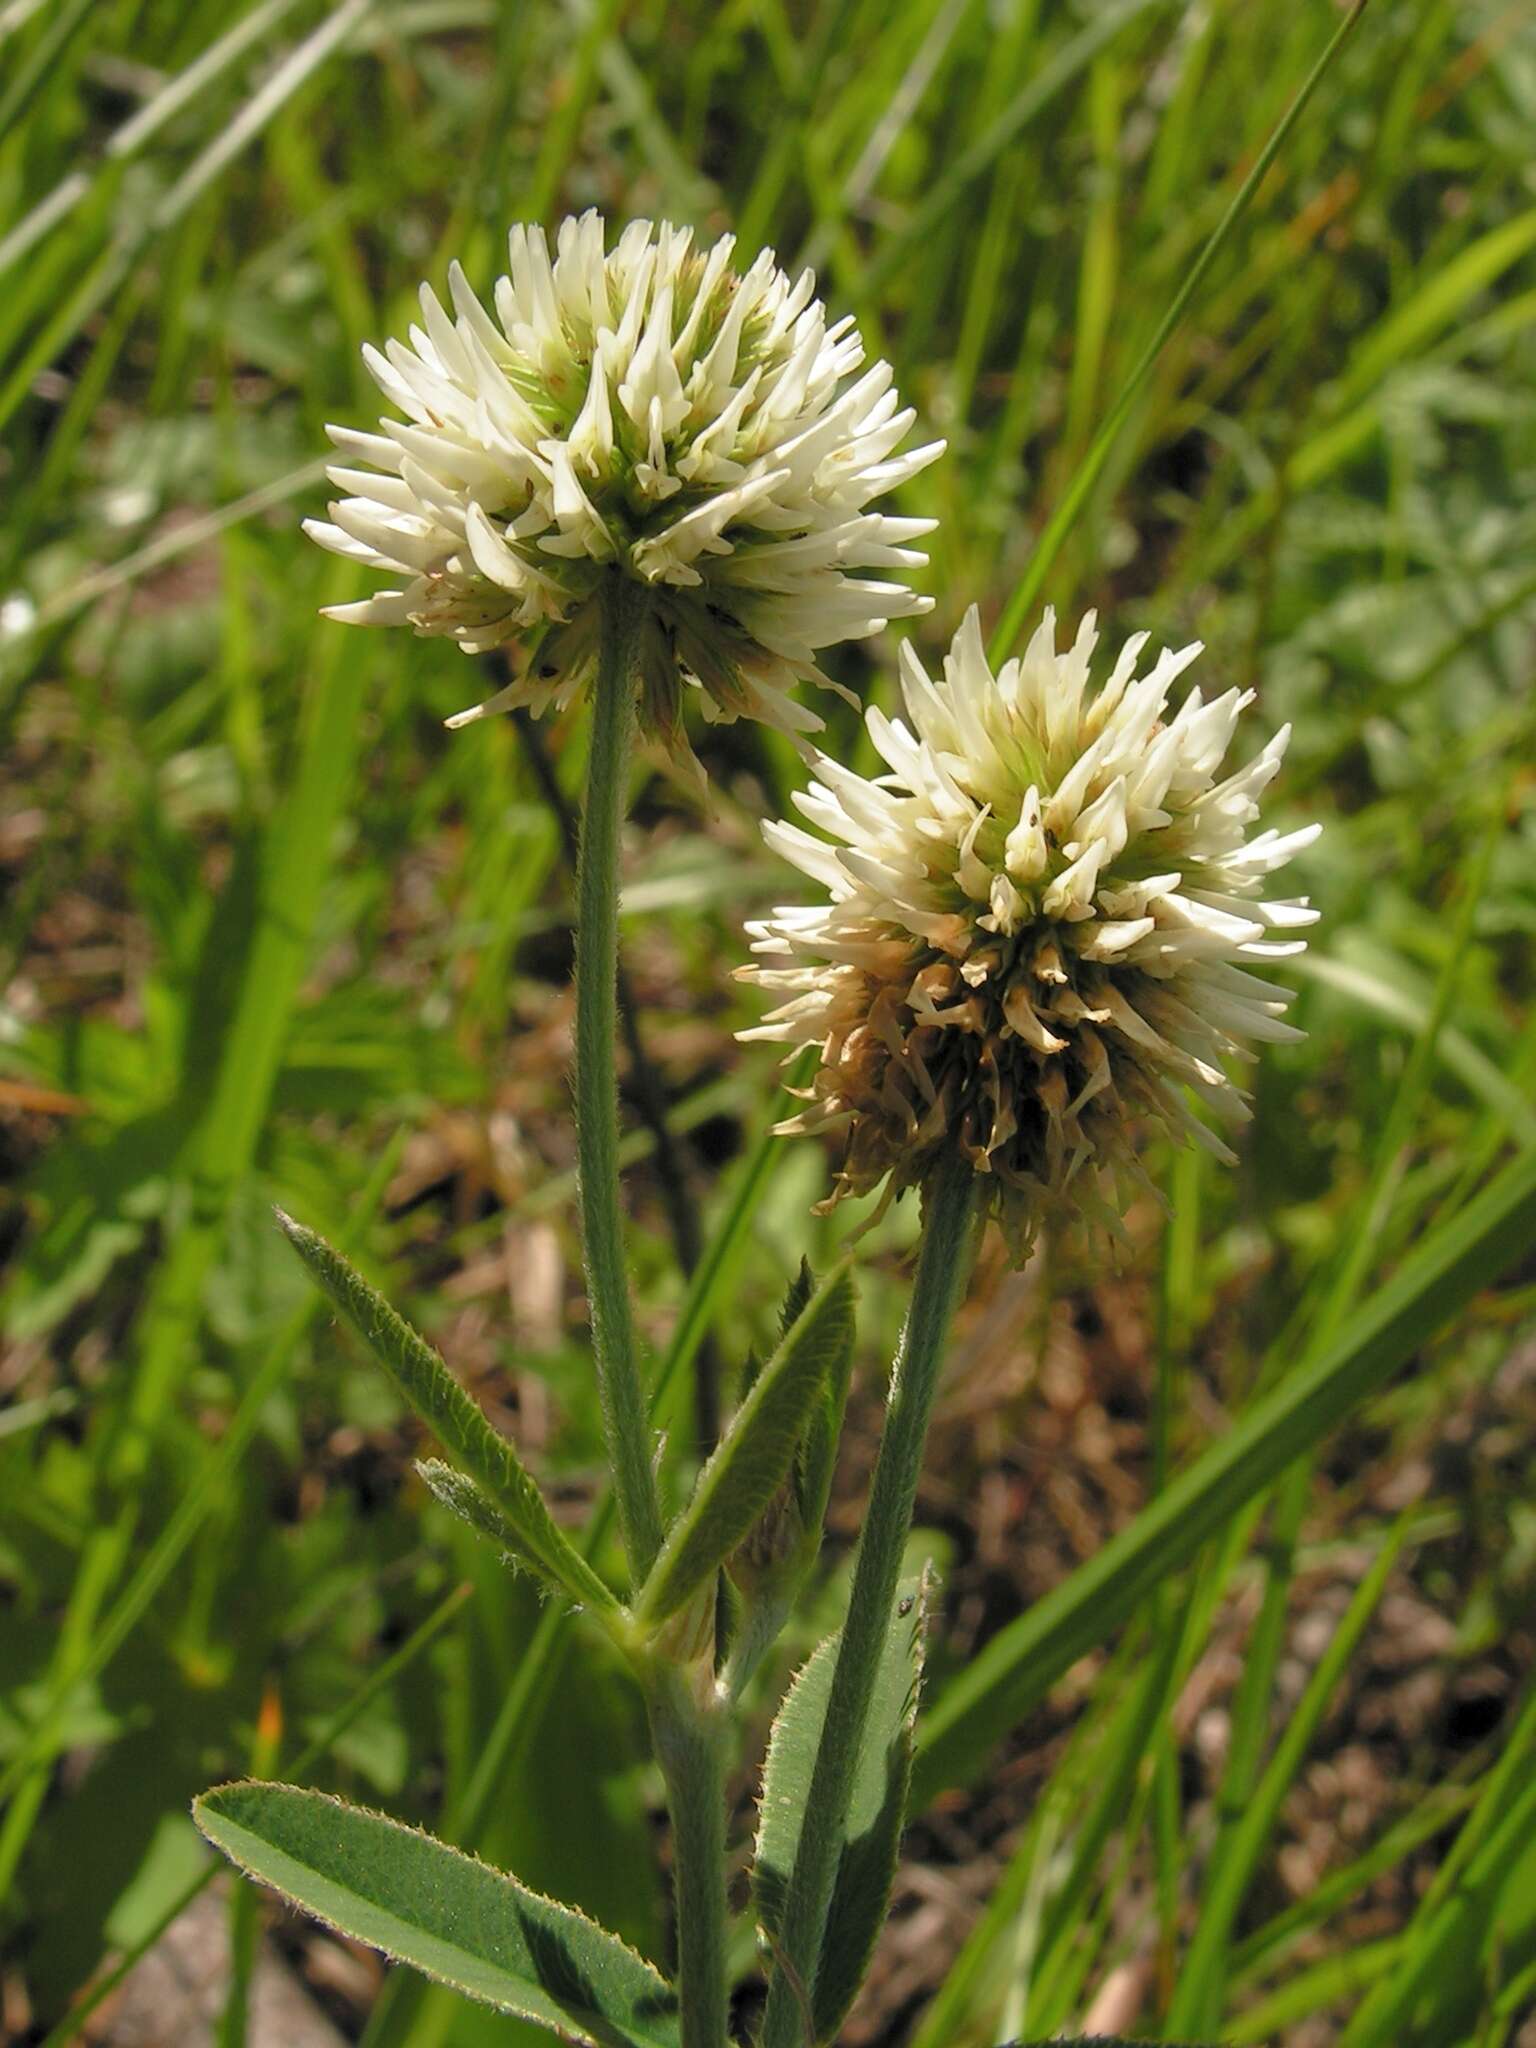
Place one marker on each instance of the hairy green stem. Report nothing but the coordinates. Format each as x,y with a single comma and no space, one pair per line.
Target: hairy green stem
688,1734
943,1268
625,1429
690,1744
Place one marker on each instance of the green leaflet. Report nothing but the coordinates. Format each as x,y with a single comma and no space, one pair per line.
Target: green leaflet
779,1553
522,1519
817,1453
796,1295
755,1453
1019,1666
446,1913
462,1496
876,1812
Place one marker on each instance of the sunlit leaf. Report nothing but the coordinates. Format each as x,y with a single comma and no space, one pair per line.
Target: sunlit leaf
447,1914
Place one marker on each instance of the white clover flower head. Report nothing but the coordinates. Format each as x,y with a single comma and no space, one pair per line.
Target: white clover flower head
1038,928
648,411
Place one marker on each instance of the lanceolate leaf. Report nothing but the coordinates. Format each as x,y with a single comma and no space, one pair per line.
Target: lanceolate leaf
876,1813
796,1296
780,1551
445,1913
1019,1666
755,1453
817,1454
465,1498
525,1522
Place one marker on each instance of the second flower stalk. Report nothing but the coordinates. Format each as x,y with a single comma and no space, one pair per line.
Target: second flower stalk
689,1712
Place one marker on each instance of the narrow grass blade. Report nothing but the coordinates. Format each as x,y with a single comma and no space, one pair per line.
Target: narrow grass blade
851,194
447,1914
298,848
756,1452
31,73
294,71
1202,1980
1020,1665
1481,1907
971,1987
1262,1950
1022,603
712,1275
1114,1794
1333,1981
442,1404
1248,1802
176,93
179,540
950,188
1416,318
1388,998
1106,1800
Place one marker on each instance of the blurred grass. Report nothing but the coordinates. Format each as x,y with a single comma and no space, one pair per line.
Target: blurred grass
263,920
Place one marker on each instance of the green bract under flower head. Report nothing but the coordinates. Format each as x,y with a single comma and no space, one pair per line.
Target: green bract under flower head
650,410
1038,927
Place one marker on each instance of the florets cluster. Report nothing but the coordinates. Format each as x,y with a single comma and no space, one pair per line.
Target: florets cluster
1038,928
649,410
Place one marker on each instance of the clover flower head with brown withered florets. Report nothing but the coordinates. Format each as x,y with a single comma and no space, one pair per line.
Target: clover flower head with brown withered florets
1039,929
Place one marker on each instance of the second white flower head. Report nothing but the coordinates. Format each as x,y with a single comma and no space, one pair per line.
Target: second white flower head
648,411
1038,926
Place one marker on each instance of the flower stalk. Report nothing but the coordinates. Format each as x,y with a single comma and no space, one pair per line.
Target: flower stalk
689,1735
686,1730
943,1268
625,1429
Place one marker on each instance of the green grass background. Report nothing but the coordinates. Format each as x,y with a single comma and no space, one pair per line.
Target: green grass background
269,933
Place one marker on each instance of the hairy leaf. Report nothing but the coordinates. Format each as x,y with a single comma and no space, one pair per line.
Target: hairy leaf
464,1497
797,1298
446,1913
876,1811
779,1553
817,1452
755,1453
524,1521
